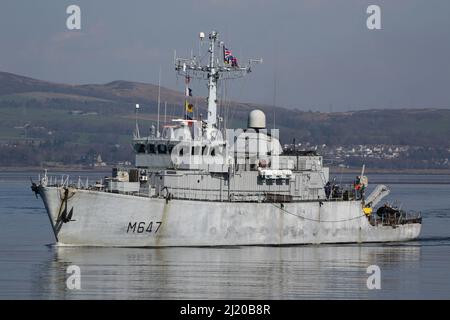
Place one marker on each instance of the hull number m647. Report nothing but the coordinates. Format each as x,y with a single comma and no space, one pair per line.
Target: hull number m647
144,227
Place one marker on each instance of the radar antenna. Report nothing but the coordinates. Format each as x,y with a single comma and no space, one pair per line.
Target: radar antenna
214,71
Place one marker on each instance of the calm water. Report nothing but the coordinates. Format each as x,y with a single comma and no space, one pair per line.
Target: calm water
31,268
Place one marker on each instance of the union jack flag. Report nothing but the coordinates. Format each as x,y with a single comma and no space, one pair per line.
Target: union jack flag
227,57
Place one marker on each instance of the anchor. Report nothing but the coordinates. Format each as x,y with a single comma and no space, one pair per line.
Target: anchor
63,215
34,188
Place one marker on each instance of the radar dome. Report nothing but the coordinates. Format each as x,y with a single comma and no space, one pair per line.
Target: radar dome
257,119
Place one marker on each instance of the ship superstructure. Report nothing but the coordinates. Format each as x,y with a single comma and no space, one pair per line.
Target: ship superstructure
196,183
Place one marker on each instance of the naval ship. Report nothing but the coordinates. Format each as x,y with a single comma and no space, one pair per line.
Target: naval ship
197,183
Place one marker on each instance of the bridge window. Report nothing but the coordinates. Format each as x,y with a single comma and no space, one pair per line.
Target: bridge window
162,148
195,151
139,147
151,148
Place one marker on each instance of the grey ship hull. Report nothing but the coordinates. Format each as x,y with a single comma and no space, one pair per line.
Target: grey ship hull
108,219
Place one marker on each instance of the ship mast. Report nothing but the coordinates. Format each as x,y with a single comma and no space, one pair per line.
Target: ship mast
214,71
212,83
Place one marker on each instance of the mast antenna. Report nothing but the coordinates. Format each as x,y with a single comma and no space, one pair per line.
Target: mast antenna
165,112
136,133
159,101
274,96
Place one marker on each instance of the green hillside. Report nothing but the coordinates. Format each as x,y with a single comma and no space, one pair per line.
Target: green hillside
42,122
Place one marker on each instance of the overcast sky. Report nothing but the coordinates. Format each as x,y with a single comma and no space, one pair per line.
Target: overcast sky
321,53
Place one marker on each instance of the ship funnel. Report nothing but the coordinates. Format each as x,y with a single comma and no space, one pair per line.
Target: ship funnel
257,119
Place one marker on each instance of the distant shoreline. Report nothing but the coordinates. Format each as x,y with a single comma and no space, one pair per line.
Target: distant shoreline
59,168
333,170
368,171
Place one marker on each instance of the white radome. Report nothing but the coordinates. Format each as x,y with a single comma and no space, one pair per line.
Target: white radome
257,119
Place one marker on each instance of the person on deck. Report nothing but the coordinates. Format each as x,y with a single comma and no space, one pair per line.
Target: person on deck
327,190
357,186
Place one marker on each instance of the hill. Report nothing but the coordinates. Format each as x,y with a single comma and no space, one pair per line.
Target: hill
42,122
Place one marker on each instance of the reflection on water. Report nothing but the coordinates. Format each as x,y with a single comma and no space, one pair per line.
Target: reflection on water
220,273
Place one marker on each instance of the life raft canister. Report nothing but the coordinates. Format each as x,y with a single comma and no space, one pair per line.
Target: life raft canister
262,163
